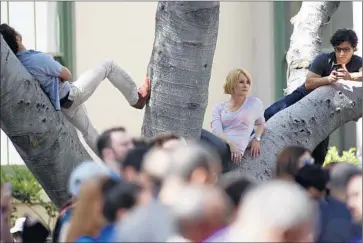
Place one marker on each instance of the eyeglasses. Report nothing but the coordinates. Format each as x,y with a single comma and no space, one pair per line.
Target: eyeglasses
344,49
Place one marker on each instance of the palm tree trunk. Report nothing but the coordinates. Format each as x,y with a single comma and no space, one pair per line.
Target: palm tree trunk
305,41
47,143
180,67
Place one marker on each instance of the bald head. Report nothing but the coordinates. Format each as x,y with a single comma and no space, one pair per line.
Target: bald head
188,158
156,163
201,205
263,211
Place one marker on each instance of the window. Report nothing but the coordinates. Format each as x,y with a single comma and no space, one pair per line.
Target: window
47,27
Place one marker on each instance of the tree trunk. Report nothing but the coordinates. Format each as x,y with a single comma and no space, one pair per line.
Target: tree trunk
306,123
305,41
47,143
180,67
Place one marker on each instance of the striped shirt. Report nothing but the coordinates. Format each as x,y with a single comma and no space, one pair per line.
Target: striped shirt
237,126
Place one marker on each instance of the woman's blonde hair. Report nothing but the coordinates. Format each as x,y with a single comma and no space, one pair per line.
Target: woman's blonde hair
233,77
86,218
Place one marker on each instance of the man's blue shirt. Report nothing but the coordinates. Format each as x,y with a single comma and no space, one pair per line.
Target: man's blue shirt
46,70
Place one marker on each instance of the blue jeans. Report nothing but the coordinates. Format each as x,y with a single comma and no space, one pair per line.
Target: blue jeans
285,101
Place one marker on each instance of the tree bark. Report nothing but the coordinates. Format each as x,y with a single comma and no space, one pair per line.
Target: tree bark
180,67
45,140
306,123
305,41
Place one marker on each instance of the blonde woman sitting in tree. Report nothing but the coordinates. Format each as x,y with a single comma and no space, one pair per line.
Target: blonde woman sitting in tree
234,120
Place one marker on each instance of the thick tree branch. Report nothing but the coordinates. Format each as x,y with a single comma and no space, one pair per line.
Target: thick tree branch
45,140
180,67
306,123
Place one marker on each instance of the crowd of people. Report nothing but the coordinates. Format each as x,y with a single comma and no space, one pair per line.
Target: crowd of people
171,189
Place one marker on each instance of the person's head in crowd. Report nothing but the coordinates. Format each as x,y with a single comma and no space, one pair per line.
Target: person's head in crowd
275,211
17,230
339,176
166,140
83,172
141,143
354,196
195,163
344,42
154,169
87,218
236,184
290,159
313,179
113,145
119,200
200,212
132,164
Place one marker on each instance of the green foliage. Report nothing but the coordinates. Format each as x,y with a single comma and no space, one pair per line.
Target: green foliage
348,156
26,189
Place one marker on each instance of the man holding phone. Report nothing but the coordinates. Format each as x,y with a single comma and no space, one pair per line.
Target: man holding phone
327,68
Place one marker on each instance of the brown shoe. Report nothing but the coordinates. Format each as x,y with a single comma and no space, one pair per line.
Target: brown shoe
144,94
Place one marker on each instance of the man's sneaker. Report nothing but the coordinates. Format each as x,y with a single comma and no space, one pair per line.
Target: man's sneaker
144,94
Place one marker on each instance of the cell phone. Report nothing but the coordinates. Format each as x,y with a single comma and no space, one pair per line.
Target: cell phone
7,189
337,66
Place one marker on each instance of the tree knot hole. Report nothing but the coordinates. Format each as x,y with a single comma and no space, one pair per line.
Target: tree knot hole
192,106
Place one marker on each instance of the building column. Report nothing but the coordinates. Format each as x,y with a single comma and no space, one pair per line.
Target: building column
357,26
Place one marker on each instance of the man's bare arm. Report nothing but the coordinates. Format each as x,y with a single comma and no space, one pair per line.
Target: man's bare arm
65,74
314,80
357,76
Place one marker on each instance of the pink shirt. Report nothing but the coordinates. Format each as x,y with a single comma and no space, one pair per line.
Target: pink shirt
238,125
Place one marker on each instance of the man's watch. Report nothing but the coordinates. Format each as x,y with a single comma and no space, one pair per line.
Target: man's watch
258,138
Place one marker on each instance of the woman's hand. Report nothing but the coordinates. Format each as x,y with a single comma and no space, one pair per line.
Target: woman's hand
255,148
236,155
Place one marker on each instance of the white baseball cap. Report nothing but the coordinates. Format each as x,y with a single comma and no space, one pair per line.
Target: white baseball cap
18,226
83,172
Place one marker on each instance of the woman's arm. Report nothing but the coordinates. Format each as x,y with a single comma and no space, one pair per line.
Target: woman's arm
259,129
216,124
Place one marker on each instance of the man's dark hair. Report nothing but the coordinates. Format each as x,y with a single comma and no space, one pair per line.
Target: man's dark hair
9,35
342,35
104,140
312,176
287,160
134,158
140,143
235,185
122,196
341,173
